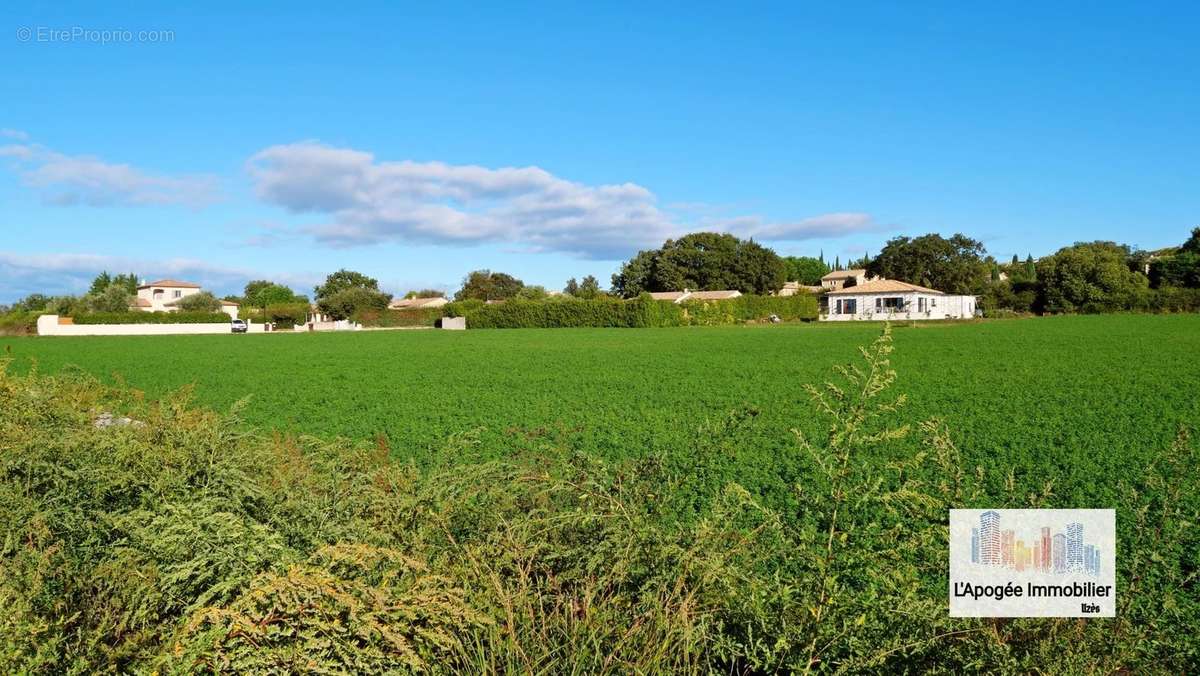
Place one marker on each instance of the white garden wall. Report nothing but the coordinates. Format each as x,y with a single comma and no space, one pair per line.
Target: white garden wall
47,325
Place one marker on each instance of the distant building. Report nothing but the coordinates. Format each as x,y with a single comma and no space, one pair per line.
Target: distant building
1059,560
1007,551
1045,563
890,299
688,295
974,545
794,288
417,303
839,279
164,296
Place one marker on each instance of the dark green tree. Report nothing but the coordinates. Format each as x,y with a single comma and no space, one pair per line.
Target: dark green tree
953,265
199,302
345,279
487,285
589,288
1089,277
702,261
805,269
572,287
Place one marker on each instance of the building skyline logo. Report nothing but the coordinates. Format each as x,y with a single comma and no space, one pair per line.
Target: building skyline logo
1032,562
1059,553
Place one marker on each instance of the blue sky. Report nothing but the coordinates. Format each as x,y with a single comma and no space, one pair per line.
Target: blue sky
548,141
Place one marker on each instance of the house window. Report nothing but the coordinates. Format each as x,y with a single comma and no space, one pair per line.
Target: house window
849,306
177,293
889,303
921,304
158,294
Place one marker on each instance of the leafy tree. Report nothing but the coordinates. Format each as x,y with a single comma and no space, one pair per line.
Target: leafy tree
254,286
589,288
114,298
535,292
1181,268
270,294
199,302
345,279
702,261
805,269
635,275
487,285
954,265
1015,261
351,300
129,282
572,287
34,302
425,293
1089,277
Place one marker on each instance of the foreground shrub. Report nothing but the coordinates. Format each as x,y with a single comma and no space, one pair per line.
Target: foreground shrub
182,542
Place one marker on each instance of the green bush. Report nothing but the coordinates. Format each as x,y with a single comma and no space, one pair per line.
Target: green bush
18,323
639,312
390,318
152,318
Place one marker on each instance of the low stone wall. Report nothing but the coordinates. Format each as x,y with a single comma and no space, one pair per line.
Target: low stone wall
454,323
48,325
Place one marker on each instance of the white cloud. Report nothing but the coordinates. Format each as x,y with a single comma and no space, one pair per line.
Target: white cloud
81,179
371,202
825,226
368,201
14,134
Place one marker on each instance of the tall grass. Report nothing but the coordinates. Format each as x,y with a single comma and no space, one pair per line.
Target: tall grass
191,543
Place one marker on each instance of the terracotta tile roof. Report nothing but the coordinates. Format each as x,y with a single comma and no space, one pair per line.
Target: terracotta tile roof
667,295
843,274
713,295
172,283
415,303
883,286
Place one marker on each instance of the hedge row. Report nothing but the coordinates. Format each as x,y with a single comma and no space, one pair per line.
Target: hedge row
640,312
389,318
152,318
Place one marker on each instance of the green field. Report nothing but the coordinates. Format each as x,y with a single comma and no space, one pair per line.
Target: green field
586,501
1069,399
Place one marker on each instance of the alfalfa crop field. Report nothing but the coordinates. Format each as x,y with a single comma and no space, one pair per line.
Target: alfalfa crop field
684,499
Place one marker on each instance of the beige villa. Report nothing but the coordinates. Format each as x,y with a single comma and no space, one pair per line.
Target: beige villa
163,296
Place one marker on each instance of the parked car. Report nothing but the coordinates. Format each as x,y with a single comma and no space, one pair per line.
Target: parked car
238,325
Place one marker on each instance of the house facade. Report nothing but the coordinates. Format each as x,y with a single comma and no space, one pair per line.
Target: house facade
165,294
888,299
841,278
793,288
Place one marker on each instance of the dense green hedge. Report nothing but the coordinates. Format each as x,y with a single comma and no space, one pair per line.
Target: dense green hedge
152,318
636,313
390,318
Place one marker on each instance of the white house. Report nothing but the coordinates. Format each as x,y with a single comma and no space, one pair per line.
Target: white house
165,294
889,299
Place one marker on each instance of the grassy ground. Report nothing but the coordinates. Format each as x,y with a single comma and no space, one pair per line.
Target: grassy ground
1074,400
